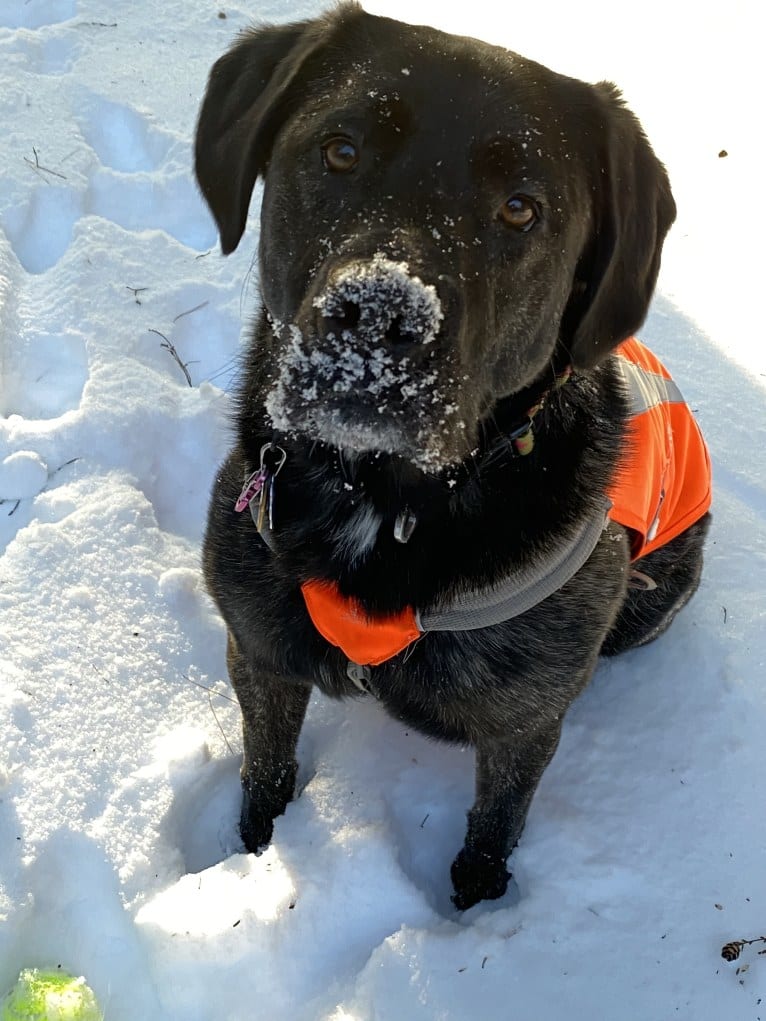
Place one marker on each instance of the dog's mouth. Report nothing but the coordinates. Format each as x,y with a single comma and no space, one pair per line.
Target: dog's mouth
366,371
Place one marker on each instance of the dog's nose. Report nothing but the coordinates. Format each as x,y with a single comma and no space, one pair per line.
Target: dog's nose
380,304
354,319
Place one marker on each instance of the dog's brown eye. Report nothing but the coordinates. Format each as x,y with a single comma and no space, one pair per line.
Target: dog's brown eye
339,155
520,212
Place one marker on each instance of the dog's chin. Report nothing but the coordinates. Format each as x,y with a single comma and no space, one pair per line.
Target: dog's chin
362,431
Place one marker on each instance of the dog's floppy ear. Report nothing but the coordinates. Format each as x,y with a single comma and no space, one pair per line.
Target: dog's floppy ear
241,114
633,211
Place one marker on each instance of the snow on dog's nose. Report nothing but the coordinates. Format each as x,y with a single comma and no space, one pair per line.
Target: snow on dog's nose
364,374
378,303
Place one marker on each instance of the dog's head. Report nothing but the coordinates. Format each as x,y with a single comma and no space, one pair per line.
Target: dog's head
442,222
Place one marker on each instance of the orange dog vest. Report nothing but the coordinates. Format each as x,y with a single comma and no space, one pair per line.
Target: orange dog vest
662,487
664,483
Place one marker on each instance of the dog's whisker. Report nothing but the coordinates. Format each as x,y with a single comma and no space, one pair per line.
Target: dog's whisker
229,366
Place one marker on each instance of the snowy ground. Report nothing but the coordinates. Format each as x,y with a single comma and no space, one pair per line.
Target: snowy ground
119,855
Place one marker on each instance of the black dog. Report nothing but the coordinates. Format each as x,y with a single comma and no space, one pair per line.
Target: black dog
453,242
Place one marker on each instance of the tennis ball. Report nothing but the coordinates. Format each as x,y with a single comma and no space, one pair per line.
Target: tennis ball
50,996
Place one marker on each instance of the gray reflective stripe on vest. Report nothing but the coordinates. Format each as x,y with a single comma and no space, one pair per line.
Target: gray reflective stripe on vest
647,389
520,592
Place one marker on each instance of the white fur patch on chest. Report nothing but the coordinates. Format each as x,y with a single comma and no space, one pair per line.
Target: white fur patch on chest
356,537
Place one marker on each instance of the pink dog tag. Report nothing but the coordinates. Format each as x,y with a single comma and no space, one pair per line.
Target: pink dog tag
251,489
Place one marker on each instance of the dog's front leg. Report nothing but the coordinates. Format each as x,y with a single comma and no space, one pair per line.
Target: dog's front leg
507,775
272,714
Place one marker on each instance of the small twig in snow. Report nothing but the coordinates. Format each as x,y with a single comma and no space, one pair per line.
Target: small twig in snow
39,167
61,467
169,347
189,311
204,687
13,509
136,291
215,717
210,693
100,673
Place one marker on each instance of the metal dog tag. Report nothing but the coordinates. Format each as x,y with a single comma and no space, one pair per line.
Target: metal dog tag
404,525
272,460
360,675
264,500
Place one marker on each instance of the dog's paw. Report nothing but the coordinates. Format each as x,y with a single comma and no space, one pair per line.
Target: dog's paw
477,877
255,826
265,795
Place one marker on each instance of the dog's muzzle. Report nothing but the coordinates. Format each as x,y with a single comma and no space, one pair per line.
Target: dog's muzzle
363,368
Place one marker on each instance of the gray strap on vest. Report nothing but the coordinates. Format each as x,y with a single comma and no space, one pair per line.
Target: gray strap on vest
520,592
